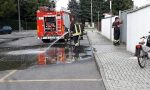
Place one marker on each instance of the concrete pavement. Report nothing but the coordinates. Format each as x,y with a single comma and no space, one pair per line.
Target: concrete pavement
119,68
20,39
21,68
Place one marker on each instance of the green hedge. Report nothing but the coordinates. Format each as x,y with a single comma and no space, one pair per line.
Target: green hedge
14,24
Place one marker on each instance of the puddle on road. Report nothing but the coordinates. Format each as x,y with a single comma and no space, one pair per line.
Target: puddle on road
57,55
11,62
62,54
26,52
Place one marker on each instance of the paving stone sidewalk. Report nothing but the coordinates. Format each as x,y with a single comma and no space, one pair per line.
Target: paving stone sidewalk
119,68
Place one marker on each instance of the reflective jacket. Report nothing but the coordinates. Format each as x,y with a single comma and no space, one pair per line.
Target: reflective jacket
76,30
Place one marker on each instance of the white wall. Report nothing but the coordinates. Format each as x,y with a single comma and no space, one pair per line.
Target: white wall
138,25
105,27
123,28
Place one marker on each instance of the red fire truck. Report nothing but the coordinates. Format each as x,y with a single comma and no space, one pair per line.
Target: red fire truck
52,24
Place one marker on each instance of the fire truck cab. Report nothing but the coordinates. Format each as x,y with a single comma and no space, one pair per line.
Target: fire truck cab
52,24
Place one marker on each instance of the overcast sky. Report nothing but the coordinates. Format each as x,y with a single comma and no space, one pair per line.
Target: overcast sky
140,3
61,3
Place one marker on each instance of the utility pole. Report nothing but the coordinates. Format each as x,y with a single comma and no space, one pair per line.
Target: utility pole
91,12
98,21
19,16
26,22
110,19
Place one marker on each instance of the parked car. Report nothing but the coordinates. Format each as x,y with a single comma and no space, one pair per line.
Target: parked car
6,30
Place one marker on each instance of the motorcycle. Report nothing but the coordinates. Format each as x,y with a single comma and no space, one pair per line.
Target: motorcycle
143,51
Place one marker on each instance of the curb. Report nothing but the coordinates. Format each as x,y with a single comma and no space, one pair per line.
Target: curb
99,66
101,70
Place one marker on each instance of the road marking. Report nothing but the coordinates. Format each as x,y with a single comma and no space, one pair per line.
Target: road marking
52,80
9,74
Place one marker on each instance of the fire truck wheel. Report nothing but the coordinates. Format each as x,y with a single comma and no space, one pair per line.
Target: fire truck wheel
46,40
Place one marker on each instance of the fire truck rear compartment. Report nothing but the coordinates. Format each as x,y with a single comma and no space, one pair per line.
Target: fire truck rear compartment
50,24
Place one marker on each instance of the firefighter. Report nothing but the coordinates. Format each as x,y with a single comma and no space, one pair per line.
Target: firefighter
116,25
72,26
82,30
76,34
75,31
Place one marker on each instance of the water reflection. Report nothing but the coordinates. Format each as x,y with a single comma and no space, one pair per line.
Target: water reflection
59,54
68,54
53,55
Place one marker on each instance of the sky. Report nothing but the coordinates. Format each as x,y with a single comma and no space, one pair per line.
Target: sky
61,3
140,3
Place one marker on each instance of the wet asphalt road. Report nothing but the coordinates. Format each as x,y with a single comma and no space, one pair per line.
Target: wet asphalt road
28,64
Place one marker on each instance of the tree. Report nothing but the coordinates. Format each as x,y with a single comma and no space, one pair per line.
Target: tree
97,7
103,7
28,10
74,8
7,8
86,9
118,5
